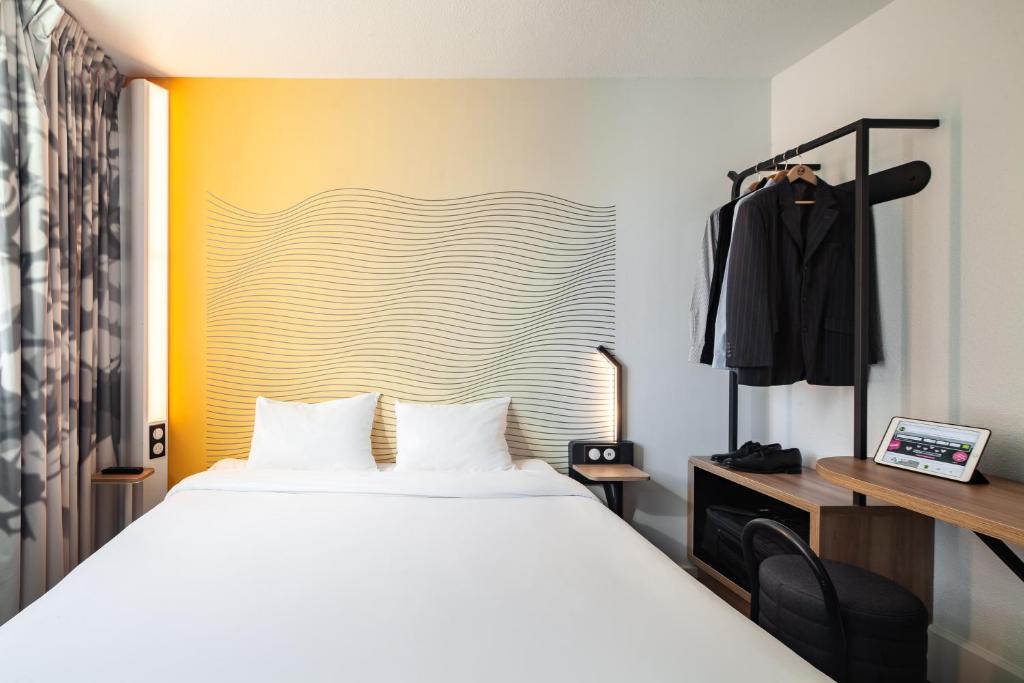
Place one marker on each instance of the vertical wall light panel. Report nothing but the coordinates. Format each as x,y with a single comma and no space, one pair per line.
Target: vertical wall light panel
156,188
144,134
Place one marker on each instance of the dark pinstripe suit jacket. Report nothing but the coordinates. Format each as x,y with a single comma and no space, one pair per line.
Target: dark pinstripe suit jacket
789,303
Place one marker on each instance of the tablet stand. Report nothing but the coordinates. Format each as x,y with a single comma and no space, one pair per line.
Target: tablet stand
977,478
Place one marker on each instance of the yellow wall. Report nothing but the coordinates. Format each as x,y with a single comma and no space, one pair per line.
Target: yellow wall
264,145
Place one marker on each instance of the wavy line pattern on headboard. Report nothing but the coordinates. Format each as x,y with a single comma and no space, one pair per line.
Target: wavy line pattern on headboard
453,300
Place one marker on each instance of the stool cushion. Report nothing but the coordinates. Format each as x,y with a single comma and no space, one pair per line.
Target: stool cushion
886,625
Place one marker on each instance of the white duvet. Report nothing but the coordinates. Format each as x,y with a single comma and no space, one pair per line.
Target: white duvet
291,576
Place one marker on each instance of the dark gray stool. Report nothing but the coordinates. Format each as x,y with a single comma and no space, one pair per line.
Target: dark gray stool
850,623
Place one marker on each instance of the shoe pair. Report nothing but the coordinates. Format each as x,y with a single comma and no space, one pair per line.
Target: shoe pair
745,450
770,459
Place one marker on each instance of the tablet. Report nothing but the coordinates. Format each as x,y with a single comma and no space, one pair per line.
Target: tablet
935,448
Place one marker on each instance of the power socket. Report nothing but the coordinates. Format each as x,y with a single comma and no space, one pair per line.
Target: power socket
596,452
157,440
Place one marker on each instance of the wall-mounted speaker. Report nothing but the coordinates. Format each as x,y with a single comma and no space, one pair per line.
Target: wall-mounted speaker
157,439
587,452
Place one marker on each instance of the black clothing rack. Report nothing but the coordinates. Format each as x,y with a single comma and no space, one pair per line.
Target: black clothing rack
901,181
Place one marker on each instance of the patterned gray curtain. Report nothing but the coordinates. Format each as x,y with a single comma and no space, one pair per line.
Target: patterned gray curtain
60,328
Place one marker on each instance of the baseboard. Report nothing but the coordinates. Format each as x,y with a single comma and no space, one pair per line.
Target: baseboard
951,659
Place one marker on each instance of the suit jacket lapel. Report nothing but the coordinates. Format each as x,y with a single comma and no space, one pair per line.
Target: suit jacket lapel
823,215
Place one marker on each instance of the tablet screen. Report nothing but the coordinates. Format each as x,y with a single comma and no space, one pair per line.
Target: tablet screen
937,449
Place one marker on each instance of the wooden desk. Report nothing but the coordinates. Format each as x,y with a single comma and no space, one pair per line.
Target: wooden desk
993,511
885,539
611,478
128,481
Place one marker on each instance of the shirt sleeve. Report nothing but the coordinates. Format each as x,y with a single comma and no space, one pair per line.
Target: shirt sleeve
748,341
699,300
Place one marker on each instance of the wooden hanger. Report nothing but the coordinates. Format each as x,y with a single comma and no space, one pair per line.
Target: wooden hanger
756,183
804,173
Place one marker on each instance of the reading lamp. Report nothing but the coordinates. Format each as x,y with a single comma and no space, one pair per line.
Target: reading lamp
596,451
617,368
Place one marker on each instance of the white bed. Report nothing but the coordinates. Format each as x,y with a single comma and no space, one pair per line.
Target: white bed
520,575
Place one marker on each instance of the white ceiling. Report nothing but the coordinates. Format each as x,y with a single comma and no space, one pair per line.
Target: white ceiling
463,38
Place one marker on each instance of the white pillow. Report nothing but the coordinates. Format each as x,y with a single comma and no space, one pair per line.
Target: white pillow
333,435
467,438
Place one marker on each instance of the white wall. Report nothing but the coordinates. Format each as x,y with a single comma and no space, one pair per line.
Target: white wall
950,270
677,140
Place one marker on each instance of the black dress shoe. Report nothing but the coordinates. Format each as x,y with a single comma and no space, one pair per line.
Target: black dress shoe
746,449
788,461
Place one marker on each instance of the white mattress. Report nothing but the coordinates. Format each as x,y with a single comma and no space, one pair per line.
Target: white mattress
291,576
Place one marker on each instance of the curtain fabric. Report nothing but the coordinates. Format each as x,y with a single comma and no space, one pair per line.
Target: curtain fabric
60,327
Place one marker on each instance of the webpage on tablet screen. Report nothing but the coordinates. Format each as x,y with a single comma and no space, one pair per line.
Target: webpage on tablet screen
943,450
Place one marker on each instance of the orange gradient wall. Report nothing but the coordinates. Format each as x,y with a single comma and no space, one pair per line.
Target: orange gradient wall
266,144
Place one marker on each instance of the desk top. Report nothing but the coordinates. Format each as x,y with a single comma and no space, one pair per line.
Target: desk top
995,509
100,478
807,490
612,472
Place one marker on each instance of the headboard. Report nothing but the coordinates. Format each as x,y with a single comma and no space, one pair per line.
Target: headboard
435,300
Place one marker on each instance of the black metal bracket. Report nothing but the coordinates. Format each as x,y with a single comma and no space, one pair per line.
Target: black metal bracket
1003,552
613,496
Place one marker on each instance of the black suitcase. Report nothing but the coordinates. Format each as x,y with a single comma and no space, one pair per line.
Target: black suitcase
722,546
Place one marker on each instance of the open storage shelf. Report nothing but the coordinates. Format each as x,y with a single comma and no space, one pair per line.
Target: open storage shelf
887,540
717,490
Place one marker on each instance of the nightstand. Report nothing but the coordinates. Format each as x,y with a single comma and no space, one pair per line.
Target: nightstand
612,477
128,481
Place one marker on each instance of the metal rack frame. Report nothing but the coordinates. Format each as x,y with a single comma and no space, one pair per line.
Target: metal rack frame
862,301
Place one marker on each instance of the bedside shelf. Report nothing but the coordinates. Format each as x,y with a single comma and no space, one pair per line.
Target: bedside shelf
100,478
127,482
611,477
838,529
601,473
